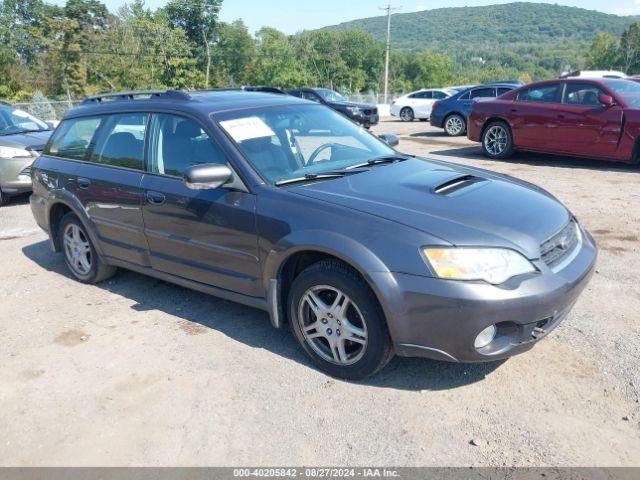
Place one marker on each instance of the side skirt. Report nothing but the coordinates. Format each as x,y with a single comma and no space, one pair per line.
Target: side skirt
255,302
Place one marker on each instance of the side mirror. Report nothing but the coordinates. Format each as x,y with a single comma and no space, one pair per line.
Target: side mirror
606,100
207,176
390,139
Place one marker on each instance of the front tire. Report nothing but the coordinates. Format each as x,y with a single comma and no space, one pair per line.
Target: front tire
79,254
407,114
497,141
338,322
455,125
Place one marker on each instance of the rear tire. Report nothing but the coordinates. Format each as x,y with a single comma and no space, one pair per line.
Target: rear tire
329,304
497,141
79,254
4,199
407,114
455,125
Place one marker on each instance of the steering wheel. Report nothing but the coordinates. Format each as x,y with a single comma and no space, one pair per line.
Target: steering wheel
322,148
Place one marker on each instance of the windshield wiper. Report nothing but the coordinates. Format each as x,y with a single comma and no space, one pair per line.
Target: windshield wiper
21,132
310,177
378,161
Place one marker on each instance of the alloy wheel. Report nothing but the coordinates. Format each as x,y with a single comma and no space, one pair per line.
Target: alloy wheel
77,249
495,140
454,126
332,325
406,115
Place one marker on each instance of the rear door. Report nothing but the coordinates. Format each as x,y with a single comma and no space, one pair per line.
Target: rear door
584,125
421,103
533,117
204,235
482,92
109,186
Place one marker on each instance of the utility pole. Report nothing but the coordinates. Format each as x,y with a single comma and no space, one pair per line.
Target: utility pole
389,11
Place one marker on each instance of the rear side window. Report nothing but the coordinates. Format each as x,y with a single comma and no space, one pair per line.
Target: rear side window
72,139
121,141
439,95
177,143
422,95
544,94
502,91
483,93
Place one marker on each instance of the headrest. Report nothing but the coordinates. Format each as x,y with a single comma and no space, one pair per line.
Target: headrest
188,129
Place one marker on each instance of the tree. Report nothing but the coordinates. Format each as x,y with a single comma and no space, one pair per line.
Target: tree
199,20
630,48
233,52
604,53
41,107
431,70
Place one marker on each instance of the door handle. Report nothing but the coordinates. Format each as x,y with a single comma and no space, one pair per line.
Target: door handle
155,198
83,182
514,110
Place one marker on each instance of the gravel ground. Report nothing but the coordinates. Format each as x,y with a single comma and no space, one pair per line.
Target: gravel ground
140,372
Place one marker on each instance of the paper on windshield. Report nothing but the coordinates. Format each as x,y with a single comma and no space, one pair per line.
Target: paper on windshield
242,129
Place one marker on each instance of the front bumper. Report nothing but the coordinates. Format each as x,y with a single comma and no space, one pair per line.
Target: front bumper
440,319
14,179
366,120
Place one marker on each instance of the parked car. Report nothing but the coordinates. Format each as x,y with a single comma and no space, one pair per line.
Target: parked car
363,113
288,206
597,118
22,138
417,105
452,112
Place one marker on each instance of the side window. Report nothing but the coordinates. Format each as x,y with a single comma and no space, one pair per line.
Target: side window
483,92
585,94
502,91
121,141
72,138
311,96
544,94
439,95
177,143
466,96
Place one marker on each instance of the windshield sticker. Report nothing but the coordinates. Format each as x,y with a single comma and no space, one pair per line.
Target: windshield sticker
242,129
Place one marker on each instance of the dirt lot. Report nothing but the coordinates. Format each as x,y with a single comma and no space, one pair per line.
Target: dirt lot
140,372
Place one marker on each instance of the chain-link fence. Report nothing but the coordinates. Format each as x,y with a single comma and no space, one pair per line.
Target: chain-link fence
56,107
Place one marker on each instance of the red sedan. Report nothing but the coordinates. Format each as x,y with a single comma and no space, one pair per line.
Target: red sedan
596,118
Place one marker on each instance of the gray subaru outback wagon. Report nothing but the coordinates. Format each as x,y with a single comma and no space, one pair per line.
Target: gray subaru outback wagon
287,206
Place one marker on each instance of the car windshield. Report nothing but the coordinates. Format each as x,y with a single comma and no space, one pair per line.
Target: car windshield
628,91
14,120
296,141
330,95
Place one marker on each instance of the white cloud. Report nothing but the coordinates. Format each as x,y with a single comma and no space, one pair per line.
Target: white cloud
633,8
420,8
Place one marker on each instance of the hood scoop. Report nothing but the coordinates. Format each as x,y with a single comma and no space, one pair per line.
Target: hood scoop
457,184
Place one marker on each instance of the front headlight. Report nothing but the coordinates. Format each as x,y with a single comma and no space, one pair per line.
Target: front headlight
493,265
10,152
354,110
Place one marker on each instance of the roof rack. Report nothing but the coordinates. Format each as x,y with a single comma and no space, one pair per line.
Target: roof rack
127,96
246,88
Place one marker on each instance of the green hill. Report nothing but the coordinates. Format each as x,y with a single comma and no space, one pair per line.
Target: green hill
478,29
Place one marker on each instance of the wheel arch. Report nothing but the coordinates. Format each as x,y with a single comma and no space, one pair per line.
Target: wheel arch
495,118
292,255
58,208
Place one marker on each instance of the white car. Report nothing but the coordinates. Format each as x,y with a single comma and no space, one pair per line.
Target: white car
418,104
594,74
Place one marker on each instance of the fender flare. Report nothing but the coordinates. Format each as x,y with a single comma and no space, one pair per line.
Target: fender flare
72,203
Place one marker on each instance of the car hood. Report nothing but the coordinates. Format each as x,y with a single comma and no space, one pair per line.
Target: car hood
31,140
463,206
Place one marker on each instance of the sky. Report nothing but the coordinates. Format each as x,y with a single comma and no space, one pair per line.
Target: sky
291,16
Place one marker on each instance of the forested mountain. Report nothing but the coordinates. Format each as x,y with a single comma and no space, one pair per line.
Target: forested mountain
489,27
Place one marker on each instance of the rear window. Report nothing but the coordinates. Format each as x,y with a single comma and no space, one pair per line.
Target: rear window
72,139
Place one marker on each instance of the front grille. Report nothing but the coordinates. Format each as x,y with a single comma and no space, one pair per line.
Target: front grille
371,111
559,247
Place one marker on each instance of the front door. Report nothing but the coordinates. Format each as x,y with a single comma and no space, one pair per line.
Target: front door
585,126
204,235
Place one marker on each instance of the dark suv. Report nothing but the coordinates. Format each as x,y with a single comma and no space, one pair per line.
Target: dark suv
287,206
365,114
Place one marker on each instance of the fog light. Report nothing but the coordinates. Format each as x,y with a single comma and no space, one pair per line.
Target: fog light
485,337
